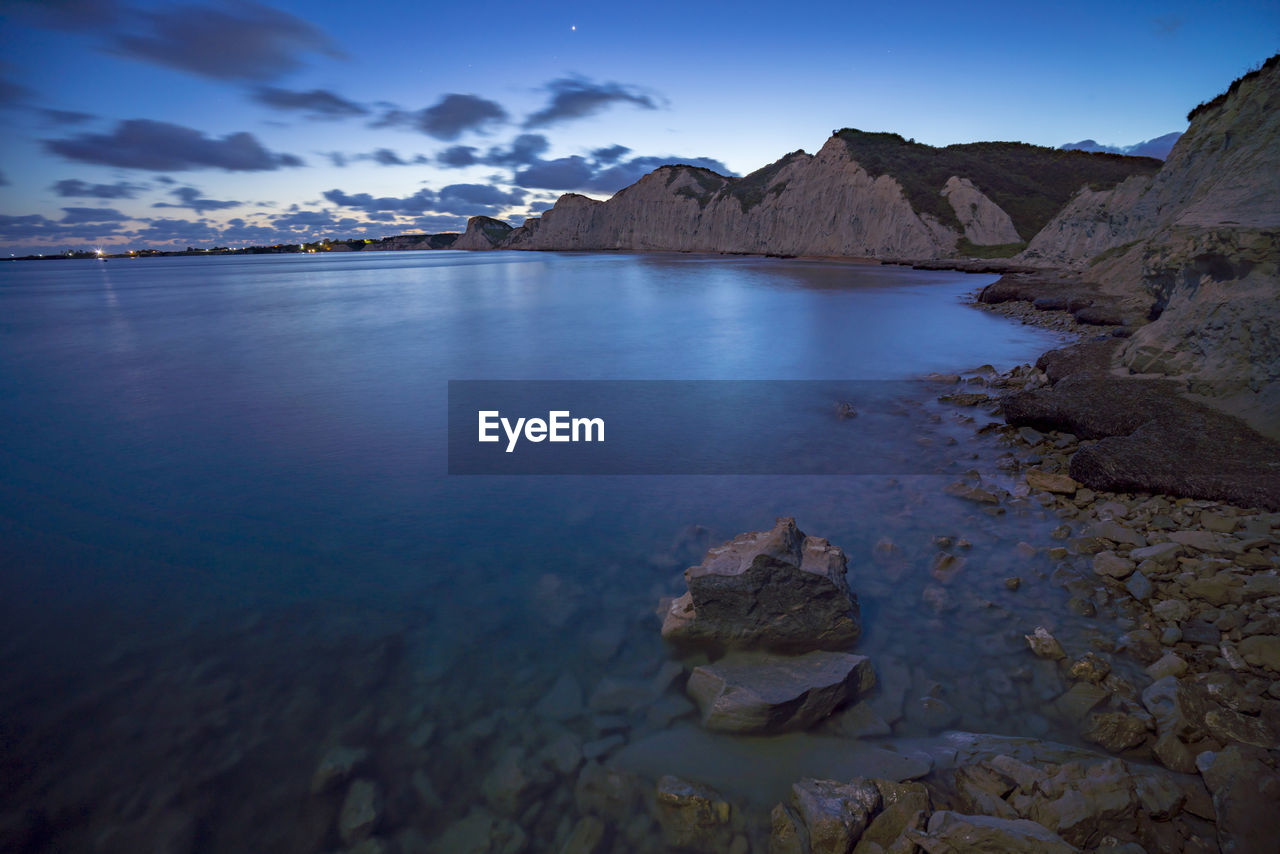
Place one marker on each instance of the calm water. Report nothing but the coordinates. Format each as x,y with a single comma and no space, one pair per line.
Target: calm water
228,541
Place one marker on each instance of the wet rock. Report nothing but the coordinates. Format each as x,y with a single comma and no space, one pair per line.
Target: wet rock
562,702
1044,644
607,792
1245,792
829,815
1117,533
1111,565
981,790
950,832
1262,651
692,817
859,720
1162,553
1200,632
975,494
777,590
512,783
1169,664
755,692
336,766
587,837
1090,667
1115,731
1172,610
1059,484
1090,800
1080,699
1012,583
360,811
1139,587
481,832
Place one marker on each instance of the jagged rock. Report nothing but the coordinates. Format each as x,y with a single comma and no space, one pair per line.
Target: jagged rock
360,812
756,692
1115,731
824,816
1245,793
1089,800
906,808
1044,644
777,590
692,817
1059,484
951,832
336,766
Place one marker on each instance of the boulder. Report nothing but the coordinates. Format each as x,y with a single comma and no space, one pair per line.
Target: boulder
776,590
950,832
759,692
693,817
1245,793
824,816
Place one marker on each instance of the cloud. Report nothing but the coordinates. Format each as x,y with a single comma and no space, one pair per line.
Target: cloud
387,157
610,154
457,156
1158,147
73,188
419,202
12,93
578,97
76,216
317,104
180,231
240,40
66,117
189,197
524,149
37,227
65,14
452,116
476,199
564,173
161,146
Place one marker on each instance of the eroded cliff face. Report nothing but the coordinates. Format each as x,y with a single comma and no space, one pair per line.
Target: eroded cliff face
823,204
1202,238
985,223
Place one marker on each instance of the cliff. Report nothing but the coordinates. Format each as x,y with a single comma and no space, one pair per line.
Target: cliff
1200,239
869,195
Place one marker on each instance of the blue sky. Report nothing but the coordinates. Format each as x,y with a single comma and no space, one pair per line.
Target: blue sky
136,123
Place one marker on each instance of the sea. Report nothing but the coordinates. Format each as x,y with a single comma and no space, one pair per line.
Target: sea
238,571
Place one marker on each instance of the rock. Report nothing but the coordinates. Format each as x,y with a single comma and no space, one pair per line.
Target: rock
1059,484
1044,644
1262,651
833,814
1218,523
1088,801
1171,611
1080,699
971,493
360,811
1090,667
562,702
1115,731
1139,587
754,692
481,832
1203,541
1170,664
951,832
1117,533
692,816
777,590
1112,565
587,837
336,766
511,784
1245,793
1201,632
602,747
1012,583
859,720
1162,553
607,792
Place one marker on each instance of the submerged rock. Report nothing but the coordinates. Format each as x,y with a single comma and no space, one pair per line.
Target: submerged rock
693,817
756,693
950,832
776,590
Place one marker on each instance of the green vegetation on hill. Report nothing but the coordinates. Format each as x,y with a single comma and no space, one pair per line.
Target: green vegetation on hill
708,182
750,190
1030,182
1213,104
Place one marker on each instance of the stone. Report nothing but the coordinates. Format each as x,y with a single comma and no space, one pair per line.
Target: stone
1080,699
602,747
1200,632
1091,799
1218,523
1111,565
336,766
834,813
1090,667
1162,553
608,792
1044,644
360,811
1059,484
1170,664
481,832
1262,651
1245,793
511,784
587,837
951,832
975,494
562,702
1115,731
776,590
859,720
1171,610
1117,533
692,816
1139,587
1203,541
1012,583
758,692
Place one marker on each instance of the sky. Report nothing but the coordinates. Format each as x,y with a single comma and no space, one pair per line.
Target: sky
136,124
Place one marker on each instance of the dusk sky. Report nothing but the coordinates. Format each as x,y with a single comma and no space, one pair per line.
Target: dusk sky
135,124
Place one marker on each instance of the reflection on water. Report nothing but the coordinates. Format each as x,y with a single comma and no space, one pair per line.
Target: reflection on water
230,548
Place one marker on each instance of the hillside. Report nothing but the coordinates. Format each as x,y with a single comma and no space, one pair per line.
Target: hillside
869,195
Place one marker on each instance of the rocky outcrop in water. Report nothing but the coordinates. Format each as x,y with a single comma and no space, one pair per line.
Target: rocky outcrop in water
776,590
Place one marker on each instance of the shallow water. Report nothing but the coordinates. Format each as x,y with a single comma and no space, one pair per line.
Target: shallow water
229,542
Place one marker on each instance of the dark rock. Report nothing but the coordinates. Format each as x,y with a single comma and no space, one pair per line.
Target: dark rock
777,590
693,817
1245,794
950,832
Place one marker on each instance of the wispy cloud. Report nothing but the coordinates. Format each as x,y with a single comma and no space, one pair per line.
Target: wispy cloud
577,97
161,146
